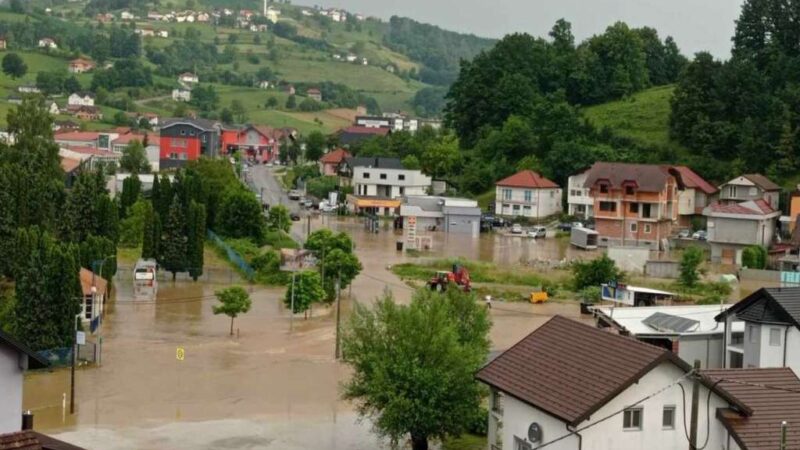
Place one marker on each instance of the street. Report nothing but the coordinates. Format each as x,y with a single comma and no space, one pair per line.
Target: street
263,181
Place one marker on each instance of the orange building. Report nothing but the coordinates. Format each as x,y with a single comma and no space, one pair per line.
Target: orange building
634,204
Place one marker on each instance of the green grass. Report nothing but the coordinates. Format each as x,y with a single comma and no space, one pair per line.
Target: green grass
480,272
465,442
643,117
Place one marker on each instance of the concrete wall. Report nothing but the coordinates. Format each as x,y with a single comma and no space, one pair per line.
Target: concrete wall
10,390
462,224
793,350
769,276
662,269
707,349
752,346
772,355
630,259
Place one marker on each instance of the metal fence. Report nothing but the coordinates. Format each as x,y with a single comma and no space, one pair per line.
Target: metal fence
233,256
62,357
212,275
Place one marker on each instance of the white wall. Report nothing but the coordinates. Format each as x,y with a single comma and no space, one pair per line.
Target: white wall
771,355
751,347
543,202
10,390
415,182
686,201
517,416
706,348
793,350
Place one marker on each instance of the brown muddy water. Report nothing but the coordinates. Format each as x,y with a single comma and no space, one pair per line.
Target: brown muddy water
264,388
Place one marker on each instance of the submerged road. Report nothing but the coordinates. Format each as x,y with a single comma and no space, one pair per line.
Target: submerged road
263,181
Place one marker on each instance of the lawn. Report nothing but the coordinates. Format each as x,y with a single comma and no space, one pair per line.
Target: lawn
643,116
367,78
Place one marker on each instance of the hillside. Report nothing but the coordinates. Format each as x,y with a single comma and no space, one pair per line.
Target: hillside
357,58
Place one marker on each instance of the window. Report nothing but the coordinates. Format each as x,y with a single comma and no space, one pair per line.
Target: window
204,138
648,228
183,132
775,337
401,177
182,156
668,418
528,196
604,189
179,143
383,176
608,206
191,132
173,156
402,190
752,334
632,419
629,190
753,191
634,208
520,444
366,175
634,227
647,210
733,191
552,194
507,194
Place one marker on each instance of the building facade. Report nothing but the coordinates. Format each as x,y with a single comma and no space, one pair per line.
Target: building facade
380,183
579,202
15,359
184,140
733,227
527,194
696,194
448,214
750,187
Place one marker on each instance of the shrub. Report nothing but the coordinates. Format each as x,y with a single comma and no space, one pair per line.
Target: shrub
690,262
754,257
595,272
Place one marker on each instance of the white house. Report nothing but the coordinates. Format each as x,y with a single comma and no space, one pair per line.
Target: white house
203,17
579,201
15,359
527,194
94,300
264,84
162,33
181,95
771,318
28,89
380,183
47,43
153,15
52,108
188,78
81,99
351,58
695,195
273,14
571,386
749,187
126,15
690,331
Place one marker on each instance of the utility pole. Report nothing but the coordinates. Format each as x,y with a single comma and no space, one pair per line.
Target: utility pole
338,353
291,313
695,405
74,361
308,226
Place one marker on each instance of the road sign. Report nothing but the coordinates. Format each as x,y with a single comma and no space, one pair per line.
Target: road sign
180,353
80,338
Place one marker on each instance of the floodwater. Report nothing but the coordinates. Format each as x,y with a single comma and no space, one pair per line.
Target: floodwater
266,387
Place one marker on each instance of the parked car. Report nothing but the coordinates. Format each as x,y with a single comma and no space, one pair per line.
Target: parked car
516,229
537,232
295,217
700,235
564,226
294,194
684,234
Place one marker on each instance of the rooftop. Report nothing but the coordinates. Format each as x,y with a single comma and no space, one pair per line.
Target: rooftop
77,136
86,282
773,395
365,130
335,156
762,182
750,208
768,305
646,177
527,179
659,320
34,362
374,162
202,124
31,440
692,180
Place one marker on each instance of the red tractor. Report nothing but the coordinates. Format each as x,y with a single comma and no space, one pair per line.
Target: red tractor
459,276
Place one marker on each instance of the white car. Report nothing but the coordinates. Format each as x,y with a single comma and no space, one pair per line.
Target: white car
537,232
516,229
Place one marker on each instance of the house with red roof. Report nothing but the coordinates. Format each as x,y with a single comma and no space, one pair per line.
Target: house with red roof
731,227
527,194
696,194
329,163
258,142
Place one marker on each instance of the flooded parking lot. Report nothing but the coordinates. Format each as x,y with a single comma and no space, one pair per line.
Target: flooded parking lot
265,388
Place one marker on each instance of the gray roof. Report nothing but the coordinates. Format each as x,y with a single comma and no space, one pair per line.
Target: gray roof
768,305
35,361
203,124
667,322
462,210
762,182
378,162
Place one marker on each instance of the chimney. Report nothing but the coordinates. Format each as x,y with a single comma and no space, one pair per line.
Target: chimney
27,420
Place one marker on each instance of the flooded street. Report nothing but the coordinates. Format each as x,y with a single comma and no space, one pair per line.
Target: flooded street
265,389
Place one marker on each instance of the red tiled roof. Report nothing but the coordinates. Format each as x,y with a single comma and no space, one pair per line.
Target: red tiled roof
760,430
569,369
86,282
77,136
88,150
527,179
69,164
692,180
755,208
335,156
127,138
365,130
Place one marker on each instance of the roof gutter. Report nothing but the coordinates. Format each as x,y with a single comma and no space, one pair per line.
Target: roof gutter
580,438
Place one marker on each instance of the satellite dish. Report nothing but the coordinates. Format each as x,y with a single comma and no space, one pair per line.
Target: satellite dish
534,433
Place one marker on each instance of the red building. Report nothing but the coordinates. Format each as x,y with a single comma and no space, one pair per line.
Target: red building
184,140
259,143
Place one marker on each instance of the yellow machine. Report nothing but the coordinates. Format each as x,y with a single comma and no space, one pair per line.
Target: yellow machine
538,297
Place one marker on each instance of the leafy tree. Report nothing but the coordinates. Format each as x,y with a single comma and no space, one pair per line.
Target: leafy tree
291,102
133,227
429,349
411,162
205,98
234,301
173,242
51,82
440,158
240,215
315,146
754,257
595,272
131,190
272,103
323,241
134,159
690,262
226,116
307,291
196,224
238,111
341,266
84,212
14,66
72,84
278,219
151,233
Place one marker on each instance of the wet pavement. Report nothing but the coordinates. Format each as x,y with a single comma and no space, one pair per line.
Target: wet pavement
266,388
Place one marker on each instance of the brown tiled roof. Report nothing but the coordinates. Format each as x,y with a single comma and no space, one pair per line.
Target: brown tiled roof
570,370
335,156
753,208
86,282
762,182
761,430
646,177
31,440
527,179
692,180
69,164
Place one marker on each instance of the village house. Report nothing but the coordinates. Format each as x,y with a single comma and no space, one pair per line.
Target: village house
392,121
185,139
188,78
258,143
733,227
48,43
771,318
447,214
273,14
104,17
181,95
15,359
52,107
90,157
289,89
3,43
119,144
351,58
203,17
307,12
749,187
264,84
66,125
690,331
95,291
634,204
162,33
329,163
380,183
153,15
527,194
695,195
571,386
80,65
28,89
579,200
78,138
86,113
151,118
145,32
14,99
126,15
80,99
314,94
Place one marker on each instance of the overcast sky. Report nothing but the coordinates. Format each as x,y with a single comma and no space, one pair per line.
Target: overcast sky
695,24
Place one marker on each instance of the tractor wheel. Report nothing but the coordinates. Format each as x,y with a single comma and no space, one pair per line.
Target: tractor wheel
440,287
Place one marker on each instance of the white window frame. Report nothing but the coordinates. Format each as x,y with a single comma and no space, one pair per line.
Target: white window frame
634,227
648,228
628,416
528,195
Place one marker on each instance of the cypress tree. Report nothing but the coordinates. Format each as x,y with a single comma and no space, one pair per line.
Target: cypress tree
165,197
149,238
131,189
174,241
196,224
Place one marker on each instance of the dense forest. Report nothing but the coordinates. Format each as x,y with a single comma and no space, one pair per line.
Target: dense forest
743,114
